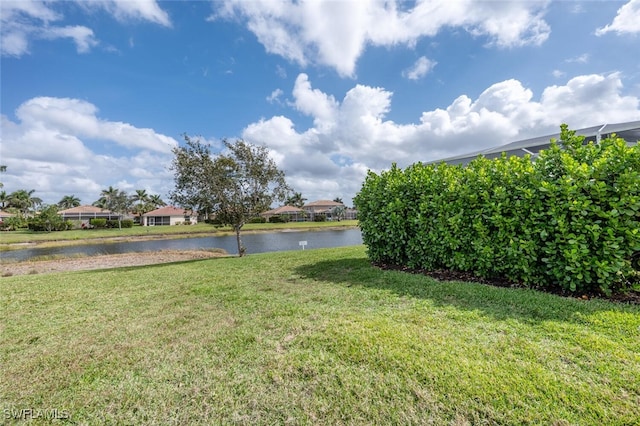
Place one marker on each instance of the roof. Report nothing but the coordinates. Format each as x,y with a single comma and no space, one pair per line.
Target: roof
284,210
323,203
84,209
6,214
629,131
169,211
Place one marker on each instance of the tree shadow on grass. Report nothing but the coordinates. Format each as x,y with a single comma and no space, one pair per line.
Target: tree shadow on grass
499,302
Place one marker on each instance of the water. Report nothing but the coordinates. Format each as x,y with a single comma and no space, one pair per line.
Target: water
254,243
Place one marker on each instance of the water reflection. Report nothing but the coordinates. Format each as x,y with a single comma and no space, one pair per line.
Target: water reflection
255,243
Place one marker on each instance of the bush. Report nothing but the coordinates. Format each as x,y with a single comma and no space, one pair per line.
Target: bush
278,219
258,220
568,221
98,223
319,218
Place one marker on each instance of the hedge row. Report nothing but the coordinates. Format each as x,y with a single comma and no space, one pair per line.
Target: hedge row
110,223
570,220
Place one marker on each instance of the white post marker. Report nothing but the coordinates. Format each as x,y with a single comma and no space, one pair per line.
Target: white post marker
302,243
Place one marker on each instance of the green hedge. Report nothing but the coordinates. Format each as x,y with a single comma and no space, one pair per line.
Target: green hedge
570,220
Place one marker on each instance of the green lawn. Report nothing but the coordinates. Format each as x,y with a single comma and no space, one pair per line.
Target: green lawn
26,236
310,337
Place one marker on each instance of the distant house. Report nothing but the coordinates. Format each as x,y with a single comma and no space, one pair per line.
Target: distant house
169,215
321,207
86,213
5,215
291,213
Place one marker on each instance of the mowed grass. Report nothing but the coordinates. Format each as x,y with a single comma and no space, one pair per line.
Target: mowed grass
311,337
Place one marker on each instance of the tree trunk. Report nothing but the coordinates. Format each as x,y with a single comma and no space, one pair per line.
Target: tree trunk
241,249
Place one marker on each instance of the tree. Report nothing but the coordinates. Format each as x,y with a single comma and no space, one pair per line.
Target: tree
4,199
2,170
338,212
116,201
23,200
156,201
141,203
234,186
338,200
69,201
296,200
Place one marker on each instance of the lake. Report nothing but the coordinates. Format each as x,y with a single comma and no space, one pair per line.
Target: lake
254,243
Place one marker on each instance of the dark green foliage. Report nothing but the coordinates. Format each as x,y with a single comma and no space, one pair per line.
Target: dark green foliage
98,223
319,218
48,220
258,219
278,219
570,220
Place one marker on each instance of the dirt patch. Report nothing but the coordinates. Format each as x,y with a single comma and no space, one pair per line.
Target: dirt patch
104,261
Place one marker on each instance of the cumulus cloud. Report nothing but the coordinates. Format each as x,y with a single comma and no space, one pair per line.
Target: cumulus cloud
126,10
22,22
61,146
627,20
335,34
352,135
419,69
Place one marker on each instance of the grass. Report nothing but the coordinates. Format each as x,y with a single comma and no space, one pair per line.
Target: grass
74,236
311,337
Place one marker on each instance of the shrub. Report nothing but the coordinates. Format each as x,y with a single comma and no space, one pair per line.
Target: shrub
570,220
258,220
319,218
98,222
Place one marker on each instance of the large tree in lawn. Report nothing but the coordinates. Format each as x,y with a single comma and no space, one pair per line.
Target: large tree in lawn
234,186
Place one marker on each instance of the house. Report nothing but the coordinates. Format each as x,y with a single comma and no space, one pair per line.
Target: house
86,213
5,215
629,131
321,207
291,213
169,215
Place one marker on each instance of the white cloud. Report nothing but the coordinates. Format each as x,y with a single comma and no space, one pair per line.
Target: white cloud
335,33
352,135
126,10
626,21
58,145
419,69
580,59
22,22
274,97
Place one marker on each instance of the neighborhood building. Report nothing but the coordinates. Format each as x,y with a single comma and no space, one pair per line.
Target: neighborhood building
169,215
629,131
5,215
86,213
288,213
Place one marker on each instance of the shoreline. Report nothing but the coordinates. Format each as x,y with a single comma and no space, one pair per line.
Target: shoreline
151,237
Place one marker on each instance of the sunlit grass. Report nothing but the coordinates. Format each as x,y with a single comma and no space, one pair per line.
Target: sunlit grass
311,337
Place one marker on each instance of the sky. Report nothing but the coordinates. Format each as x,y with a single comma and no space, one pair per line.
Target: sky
98,93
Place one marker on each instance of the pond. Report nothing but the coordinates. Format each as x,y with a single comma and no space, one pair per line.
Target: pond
254,243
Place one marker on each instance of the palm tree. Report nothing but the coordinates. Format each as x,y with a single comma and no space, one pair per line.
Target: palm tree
4,199
338,200
156,201
140,196
107,197
69,201
23,200
296,200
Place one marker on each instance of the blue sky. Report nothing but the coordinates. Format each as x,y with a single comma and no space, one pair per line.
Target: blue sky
97,93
